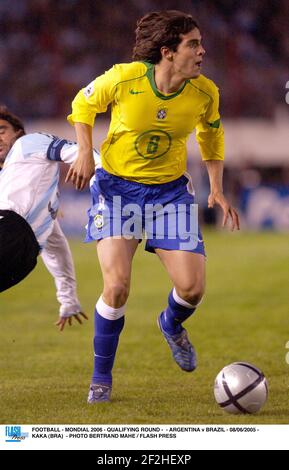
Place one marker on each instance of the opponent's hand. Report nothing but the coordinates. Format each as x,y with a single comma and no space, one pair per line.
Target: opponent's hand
64,320
81,171
228,211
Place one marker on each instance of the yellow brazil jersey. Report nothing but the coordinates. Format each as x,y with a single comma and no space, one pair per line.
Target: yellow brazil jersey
147,137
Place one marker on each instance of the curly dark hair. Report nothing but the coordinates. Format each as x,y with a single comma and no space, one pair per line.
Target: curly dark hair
160,28
15,121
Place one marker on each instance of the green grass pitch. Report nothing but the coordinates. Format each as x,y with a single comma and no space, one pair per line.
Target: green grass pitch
45,374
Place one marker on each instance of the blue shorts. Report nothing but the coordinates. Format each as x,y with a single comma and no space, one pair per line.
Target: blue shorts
164,214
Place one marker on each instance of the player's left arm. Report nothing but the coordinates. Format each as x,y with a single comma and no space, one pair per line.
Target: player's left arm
58,260
216,196
210,138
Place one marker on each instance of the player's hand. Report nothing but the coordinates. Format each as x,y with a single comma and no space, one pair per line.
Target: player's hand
81,170
64,320
228,211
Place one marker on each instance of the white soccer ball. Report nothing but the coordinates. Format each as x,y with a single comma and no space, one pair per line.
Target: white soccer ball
241,388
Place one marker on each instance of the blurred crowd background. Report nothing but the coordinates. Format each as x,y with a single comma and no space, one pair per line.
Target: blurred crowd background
50,49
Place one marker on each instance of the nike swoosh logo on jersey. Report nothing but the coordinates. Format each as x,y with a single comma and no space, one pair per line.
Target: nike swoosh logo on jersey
135,92
1,216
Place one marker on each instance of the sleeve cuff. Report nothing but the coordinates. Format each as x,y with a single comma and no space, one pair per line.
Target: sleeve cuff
72,118
67,311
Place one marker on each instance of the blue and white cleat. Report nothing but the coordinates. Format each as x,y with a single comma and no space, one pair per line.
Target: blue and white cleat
98,393
182,350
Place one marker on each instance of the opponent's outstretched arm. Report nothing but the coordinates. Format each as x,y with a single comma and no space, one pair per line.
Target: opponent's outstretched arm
58,260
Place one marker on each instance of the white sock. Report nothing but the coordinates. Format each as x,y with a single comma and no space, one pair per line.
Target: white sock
110,313
183,302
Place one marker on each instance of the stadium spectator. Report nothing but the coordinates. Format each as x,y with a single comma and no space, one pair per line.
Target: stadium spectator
156,102
28,209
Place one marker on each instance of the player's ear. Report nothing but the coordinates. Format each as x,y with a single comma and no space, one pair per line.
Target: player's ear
167,53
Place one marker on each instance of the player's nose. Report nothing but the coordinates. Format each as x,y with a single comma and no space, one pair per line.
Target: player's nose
202,51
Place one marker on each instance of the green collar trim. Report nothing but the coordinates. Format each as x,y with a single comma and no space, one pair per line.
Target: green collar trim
151,78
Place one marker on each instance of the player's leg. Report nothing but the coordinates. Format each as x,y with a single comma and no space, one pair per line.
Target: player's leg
115,258
173,237
187,272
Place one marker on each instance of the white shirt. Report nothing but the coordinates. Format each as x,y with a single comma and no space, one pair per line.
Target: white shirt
29,180
29,187
57,258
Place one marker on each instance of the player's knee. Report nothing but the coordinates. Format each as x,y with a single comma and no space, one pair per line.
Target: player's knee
192,294
116,293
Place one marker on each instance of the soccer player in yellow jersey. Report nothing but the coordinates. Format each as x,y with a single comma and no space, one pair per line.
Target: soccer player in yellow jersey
156,102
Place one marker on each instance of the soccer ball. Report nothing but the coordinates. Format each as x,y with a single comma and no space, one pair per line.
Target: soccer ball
241,388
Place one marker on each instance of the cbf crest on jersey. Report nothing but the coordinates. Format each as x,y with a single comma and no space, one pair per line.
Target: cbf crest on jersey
162,113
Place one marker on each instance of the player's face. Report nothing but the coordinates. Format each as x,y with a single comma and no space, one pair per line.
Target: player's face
7,138
189,55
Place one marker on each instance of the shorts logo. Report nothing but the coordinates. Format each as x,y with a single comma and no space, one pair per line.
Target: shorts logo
98,221
162,113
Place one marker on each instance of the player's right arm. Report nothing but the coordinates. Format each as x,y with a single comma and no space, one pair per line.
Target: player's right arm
83,168
88,102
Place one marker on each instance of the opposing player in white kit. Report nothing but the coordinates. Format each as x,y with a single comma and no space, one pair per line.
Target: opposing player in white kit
29,200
